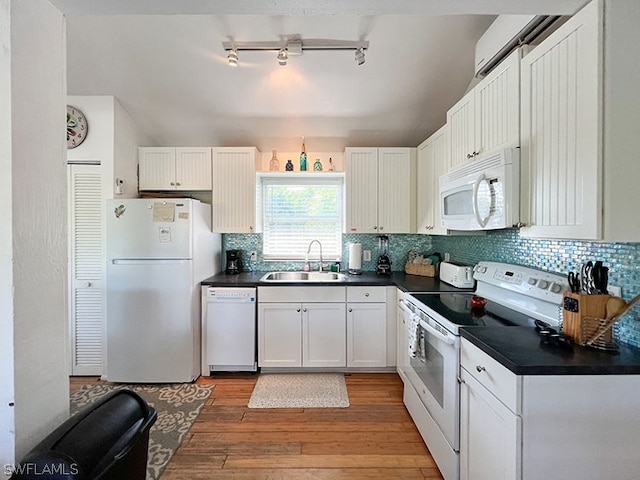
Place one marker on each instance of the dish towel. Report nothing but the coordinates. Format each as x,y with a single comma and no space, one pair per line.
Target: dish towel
413,323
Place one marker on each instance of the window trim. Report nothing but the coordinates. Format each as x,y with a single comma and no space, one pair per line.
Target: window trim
294,178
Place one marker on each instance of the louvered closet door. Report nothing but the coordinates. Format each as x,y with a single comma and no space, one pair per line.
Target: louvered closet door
86,269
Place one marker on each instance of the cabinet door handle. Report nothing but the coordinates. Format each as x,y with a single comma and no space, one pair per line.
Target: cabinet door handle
251,227
366,294
381,228
178,184
375,227
88,284
304,309
480,368
350,309
297,310
469,155
172,184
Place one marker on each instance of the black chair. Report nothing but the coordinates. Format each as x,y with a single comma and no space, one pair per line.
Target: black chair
107,440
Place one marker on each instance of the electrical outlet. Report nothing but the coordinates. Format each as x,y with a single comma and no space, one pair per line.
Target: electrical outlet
366,255
253,256
615,291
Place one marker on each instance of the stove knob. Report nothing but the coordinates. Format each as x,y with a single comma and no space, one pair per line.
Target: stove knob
556,288
532,281
543,284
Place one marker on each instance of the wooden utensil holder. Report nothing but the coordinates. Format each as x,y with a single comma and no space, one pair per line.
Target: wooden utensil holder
582,316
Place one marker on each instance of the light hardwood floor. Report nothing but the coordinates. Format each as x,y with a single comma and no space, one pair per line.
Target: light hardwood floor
374,438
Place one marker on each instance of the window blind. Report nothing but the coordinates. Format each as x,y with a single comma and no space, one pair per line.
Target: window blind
296,211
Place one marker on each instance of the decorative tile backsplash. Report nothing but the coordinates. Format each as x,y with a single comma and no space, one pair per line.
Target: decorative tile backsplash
559,256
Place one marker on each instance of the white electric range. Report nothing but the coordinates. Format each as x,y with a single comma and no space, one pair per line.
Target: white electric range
506,295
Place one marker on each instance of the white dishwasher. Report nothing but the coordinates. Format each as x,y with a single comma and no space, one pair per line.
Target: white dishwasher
229,330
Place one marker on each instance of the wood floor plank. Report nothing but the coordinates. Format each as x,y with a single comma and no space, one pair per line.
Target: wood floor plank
240,448
299,474
251,427
329,461
288,436
371,447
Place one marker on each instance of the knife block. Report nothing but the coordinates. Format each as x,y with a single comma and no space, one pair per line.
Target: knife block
582,316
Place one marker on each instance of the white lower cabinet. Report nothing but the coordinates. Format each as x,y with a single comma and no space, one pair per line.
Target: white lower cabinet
489,434
537,427
366,334
280,335
366,327
323,335
308,333
324,327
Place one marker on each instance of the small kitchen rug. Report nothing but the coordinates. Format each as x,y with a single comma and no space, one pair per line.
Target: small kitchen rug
300,390
177,406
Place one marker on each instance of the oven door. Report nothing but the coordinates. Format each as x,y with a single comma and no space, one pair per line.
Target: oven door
433,372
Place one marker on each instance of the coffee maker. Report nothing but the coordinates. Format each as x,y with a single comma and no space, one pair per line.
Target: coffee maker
384,263
234,262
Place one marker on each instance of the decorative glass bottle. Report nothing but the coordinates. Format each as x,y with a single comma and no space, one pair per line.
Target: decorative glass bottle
317,166
330,164
289,166
303,157
274,164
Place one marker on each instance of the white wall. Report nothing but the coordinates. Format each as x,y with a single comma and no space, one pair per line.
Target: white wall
128,139
6,246
39,203
112,139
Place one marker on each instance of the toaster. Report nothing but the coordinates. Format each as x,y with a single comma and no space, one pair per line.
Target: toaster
460,276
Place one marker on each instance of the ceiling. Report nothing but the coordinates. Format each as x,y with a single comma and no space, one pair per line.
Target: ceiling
165,63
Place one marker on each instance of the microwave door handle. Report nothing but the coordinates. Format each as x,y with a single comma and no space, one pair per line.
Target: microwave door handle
436,333
481,221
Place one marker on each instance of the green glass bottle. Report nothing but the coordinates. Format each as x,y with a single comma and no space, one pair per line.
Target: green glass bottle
303,157
318,165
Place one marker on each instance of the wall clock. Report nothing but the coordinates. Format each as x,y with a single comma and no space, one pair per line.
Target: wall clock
77,127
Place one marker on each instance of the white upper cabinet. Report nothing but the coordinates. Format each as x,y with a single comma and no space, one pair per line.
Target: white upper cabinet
488,117
433,159
233,194
169,168
579,120
380,190
461,119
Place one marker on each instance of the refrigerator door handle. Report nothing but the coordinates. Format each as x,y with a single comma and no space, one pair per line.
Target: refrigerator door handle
141,261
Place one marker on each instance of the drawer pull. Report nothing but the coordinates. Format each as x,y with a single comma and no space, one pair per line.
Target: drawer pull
480,368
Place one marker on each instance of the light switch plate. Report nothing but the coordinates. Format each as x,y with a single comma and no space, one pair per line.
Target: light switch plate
366,255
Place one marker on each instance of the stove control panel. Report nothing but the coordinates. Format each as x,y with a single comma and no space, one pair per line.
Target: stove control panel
524,280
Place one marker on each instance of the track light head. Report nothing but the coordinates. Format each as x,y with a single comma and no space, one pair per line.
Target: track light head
360,56
232,58
283,56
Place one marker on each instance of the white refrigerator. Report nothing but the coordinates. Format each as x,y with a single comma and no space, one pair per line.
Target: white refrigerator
158,252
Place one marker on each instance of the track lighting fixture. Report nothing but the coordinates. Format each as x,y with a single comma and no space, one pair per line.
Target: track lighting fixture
283,55
294,46
232,58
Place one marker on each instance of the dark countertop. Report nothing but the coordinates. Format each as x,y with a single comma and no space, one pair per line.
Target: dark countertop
407,283
519,349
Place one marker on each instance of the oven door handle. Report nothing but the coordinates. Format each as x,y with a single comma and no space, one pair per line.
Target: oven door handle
436,333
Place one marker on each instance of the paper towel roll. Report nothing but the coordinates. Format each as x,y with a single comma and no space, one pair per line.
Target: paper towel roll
355,257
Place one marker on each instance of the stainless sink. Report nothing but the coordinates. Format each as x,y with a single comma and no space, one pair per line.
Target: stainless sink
303,277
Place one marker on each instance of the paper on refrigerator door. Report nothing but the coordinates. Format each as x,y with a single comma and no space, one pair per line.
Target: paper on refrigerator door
164,212
165,234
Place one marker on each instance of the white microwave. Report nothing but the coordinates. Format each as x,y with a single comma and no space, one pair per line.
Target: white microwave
483,194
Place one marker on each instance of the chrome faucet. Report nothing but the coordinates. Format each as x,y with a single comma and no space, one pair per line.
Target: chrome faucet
309,249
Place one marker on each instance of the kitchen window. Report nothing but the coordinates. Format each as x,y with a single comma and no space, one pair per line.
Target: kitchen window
299,209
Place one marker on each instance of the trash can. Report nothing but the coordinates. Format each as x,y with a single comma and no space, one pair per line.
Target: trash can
107,440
